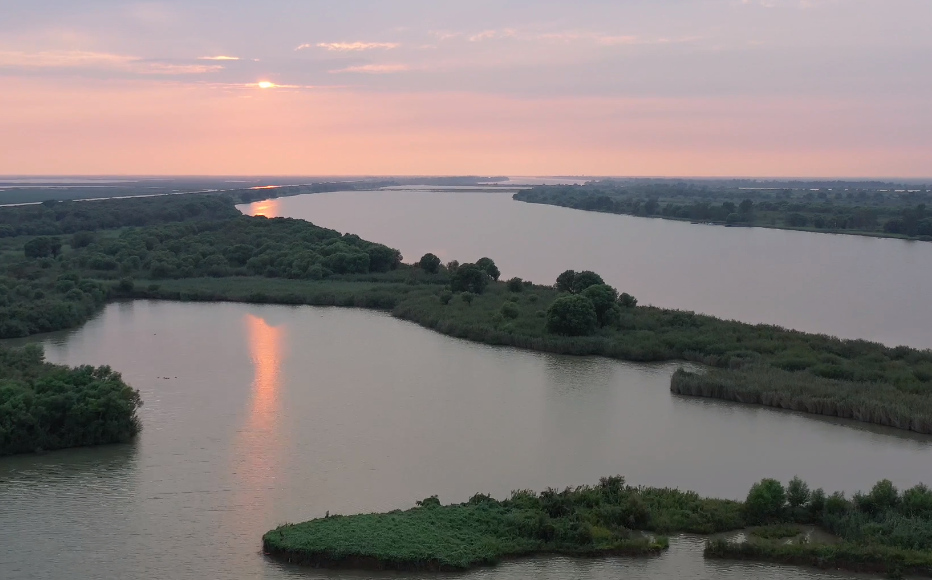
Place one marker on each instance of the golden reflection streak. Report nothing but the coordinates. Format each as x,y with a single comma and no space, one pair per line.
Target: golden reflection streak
269,208
265,349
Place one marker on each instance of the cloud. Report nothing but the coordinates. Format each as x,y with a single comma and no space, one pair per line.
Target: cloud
220,57
80,59
62,59
351,46
374,69
490,34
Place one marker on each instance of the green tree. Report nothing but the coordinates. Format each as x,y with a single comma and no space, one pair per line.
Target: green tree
566,281
82,239
585,279
603,299
429,263
468,297
515,285
42,246
572,315
765,501
469,278
627,301
489,267
746,207
797,492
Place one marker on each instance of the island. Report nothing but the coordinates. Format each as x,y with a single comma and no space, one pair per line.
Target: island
884,530
44,407
866,208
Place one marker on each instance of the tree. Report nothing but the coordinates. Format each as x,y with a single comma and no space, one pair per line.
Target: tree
468,297
82,239
489,267
603,298
732,218
565,281
627,301
41,247
429,263
797,492
516,285
765,501
746,207
382,258
576,282
585,279
572,315
469,278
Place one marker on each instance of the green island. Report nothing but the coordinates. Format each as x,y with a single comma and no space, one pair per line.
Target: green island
867,208
882,531
66,260
45,406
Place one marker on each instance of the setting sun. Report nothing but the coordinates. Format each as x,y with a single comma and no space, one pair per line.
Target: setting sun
266,85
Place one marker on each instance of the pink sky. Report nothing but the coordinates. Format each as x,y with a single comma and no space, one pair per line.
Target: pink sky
778,89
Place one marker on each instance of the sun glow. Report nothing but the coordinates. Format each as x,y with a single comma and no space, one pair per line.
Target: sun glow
266,85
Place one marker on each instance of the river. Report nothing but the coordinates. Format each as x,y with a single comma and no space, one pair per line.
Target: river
848,286
258,415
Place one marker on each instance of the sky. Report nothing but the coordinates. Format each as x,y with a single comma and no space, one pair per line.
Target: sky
768,88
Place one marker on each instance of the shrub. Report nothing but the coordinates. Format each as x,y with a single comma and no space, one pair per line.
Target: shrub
509,310
765,501
572,316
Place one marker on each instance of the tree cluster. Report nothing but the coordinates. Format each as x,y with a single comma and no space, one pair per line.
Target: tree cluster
589,304
45,406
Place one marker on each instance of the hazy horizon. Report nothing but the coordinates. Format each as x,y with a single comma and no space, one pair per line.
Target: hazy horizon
691,88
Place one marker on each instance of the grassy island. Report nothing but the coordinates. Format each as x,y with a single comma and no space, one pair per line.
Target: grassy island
45,406
881,531
77,256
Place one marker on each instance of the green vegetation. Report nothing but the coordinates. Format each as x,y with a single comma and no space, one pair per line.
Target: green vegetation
776,531
883,530
48,286
585,521
865,208
46,407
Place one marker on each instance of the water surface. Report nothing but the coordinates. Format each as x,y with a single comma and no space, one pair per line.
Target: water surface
849,286
258,415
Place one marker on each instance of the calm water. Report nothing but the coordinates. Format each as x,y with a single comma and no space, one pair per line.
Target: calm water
258,415
849,286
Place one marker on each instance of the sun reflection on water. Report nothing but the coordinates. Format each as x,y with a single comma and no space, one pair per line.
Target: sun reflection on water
269,208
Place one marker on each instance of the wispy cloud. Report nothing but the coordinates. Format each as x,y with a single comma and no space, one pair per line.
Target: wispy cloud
351,46
374,69
220,57
98,60
489,34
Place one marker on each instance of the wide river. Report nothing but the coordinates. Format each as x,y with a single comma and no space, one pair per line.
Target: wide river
848,286
259,415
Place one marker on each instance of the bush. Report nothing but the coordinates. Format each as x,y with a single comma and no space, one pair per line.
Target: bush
509,310
765,501
445,297
572,316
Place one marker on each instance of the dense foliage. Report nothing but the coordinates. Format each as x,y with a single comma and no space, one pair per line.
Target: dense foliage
883,530
68,217
603,519
865,208
45,406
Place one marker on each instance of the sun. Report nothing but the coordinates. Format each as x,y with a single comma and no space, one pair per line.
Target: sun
267,85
